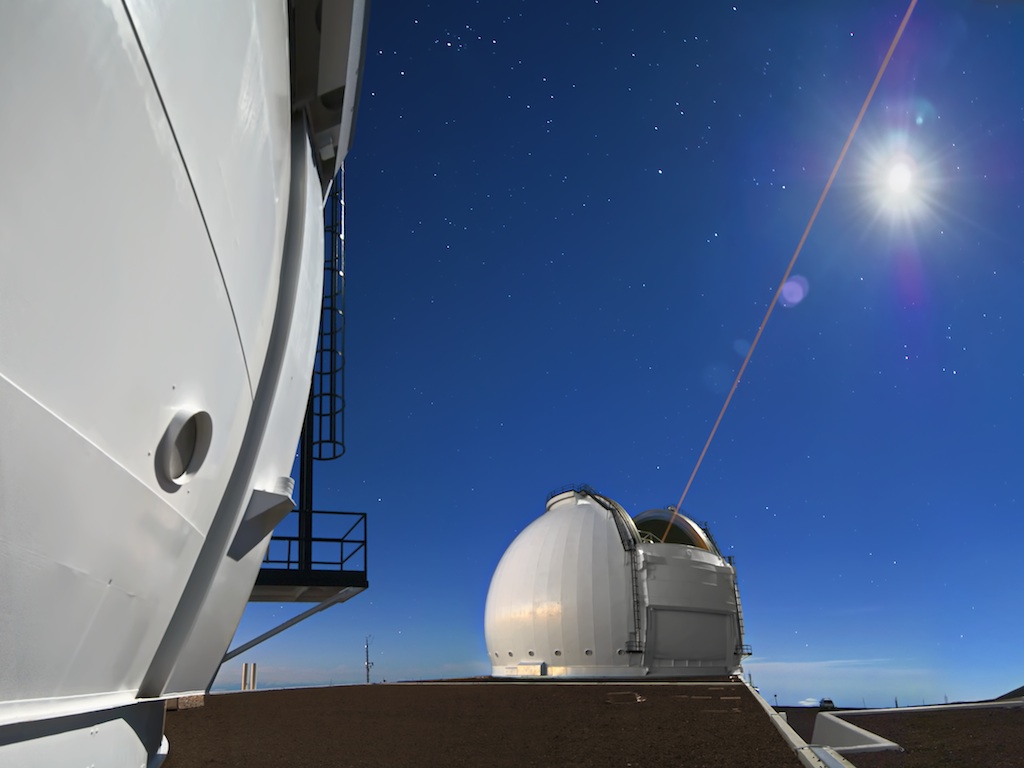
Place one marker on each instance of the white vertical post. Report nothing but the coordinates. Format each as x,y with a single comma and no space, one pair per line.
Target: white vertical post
252,681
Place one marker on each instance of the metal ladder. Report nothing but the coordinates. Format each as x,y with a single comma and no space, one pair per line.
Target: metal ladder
636,644
742,649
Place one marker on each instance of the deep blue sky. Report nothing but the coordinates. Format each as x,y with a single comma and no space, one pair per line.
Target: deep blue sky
565,222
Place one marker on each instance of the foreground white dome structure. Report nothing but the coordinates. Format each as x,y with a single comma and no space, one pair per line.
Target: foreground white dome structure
587,591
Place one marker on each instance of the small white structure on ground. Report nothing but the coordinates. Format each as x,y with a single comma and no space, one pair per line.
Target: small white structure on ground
587,591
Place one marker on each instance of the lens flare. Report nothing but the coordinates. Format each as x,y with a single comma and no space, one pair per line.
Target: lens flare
794,291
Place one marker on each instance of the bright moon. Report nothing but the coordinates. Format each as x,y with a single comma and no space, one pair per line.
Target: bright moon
900,178
900,186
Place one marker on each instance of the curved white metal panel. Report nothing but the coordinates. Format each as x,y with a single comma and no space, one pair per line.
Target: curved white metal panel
221,70
86,565
129,736
114,320
112,310
289,362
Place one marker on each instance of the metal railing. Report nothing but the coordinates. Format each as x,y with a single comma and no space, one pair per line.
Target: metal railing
578,487
337,543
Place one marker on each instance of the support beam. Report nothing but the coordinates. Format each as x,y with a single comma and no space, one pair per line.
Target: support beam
340,597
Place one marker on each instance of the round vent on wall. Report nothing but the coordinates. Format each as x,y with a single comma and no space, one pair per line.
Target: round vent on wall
183,448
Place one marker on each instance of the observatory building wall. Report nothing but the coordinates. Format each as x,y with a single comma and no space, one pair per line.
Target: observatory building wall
690,618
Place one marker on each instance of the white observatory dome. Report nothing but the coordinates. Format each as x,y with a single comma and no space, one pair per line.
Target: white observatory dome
585,591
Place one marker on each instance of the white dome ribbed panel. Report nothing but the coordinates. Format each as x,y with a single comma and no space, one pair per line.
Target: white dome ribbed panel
563,592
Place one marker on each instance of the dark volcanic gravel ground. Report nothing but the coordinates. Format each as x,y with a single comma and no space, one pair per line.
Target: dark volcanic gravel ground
481,724
945,738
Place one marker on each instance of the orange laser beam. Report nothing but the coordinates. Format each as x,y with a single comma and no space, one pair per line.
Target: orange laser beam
792,261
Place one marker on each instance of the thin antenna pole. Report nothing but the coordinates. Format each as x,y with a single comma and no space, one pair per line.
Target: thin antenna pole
369,664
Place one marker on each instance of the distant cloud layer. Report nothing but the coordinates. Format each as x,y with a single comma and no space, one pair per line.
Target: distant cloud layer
848,682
